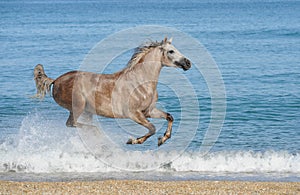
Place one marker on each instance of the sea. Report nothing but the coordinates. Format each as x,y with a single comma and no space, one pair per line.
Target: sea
254,47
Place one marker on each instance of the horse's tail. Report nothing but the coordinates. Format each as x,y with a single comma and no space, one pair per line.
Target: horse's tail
42,81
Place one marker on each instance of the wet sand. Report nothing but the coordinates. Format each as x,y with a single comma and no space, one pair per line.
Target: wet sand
149,187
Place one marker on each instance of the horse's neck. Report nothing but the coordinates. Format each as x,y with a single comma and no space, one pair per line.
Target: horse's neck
148,69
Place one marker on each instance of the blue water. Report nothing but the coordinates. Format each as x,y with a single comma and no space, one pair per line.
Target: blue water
256,46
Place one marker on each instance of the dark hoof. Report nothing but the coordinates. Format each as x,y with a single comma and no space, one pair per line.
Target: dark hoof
160,141
130,141
71,125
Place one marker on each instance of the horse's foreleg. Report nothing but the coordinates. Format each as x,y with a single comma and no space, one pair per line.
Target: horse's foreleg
140,118
155,113
168,132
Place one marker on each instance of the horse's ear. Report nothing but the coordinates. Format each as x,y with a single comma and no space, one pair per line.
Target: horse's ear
165,40
170,40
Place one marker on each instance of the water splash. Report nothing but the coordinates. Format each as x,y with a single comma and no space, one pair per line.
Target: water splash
44,147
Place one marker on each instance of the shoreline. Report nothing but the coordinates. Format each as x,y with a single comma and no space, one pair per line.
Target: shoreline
150,187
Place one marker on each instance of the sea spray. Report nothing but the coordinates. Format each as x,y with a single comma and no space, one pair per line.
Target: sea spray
45,147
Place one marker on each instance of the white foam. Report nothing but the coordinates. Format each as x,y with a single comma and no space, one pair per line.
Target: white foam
44,147
240,161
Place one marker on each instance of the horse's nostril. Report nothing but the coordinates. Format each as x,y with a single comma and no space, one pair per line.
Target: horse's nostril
187,62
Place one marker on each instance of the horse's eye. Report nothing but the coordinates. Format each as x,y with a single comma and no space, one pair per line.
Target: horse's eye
171,51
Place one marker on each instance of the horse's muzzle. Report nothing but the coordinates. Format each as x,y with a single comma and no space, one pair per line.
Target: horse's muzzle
185,64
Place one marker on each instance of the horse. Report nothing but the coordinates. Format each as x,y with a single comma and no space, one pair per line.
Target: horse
129,93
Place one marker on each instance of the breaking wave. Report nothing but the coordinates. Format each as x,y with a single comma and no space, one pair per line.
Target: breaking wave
44,147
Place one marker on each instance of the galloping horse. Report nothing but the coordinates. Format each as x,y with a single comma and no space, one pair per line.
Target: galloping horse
129,93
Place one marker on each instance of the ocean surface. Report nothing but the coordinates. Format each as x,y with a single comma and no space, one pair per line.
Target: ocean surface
255,44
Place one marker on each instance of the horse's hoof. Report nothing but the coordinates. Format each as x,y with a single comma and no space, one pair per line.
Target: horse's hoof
160,141
71,125
79,125
130,141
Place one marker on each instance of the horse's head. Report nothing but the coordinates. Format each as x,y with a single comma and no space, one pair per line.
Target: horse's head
172,57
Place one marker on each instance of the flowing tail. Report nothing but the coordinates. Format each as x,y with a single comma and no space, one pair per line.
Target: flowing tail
42,82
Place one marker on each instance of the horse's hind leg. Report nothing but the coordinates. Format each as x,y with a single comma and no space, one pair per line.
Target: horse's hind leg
78,107
140,118
70,121
86,118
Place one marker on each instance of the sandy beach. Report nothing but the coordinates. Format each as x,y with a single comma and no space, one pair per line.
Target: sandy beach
149,187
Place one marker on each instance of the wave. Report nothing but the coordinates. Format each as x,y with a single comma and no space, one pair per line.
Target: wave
289,33
44,147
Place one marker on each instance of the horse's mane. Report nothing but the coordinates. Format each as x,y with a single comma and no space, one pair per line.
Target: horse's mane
141,51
